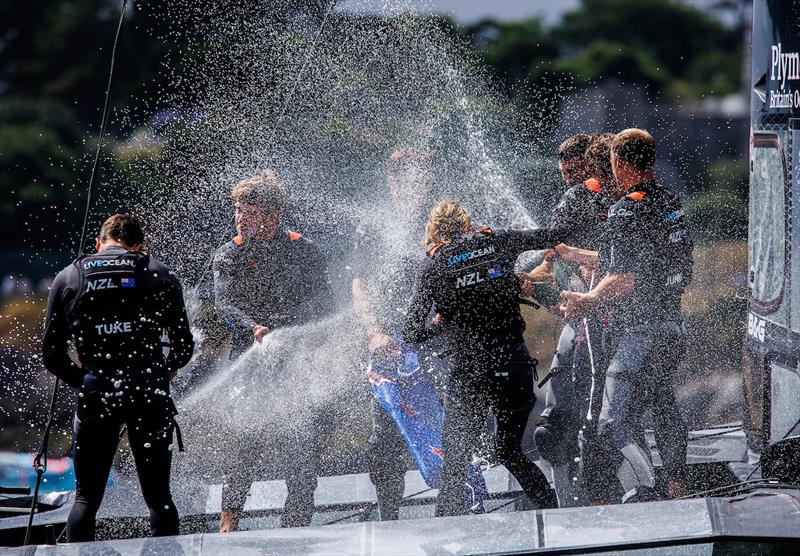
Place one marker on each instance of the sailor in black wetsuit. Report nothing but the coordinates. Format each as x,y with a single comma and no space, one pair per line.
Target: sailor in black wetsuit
469,280
113,307
580,216
385,263
575,373
267,278
648,257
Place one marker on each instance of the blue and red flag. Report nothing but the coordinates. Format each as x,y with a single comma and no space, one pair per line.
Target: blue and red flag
408,397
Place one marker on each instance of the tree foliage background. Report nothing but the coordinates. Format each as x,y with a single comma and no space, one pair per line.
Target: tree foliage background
54,56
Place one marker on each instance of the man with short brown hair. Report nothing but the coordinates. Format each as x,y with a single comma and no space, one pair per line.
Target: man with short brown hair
384,264
648,260
113,307
266,278
571,162
635,147
580,216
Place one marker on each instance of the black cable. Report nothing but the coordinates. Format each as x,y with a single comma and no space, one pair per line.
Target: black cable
501,506
40,461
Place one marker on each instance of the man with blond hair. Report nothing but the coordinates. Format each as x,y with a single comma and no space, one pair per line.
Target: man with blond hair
648,260
268,277
468,277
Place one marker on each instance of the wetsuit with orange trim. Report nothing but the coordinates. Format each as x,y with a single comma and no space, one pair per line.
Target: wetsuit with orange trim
275,282
645,338
471,284
580,215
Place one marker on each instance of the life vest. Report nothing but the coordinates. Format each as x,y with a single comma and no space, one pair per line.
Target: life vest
110,318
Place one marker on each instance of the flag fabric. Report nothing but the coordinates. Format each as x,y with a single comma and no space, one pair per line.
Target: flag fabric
409,398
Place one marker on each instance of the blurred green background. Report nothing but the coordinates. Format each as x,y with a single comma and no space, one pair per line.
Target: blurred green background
686,59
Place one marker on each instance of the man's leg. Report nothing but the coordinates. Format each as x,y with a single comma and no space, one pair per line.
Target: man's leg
668,424
464,416
301,479
238,483
558,422
512,399
151,440
386,457
95,441
620,416
556,433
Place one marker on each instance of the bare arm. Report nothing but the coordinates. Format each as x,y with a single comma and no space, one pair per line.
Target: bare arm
378,339
55,343
609,291
577,256
361,307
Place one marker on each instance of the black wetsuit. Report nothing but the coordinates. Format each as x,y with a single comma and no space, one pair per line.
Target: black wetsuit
471,284
645,338
275,283
113,308
580,215
382,259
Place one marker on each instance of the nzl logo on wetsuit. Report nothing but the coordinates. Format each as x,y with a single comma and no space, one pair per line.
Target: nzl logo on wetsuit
469,255
100,284
469,280
104,262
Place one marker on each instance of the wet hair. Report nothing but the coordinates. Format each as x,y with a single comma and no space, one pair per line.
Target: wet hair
124,228
264,190
636,147
598,155
404,157
446,221
573,147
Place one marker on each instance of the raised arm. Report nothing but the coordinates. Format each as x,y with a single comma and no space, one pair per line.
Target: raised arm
519,241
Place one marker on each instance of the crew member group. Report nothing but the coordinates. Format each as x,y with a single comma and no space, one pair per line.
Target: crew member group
117,330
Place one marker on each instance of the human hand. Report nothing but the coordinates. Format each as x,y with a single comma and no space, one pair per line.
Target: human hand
576,305
382,342
259,332
563,250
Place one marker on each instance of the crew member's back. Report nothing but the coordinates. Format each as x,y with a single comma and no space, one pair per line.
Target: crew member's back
115,306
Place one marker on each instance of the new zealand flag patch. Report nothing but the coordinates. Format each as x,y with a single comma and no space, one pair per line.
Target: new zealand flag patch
127,282
494,272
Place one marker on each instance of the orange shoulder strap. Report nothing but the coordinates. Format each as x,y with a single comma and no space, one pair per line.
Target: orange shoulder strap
636,196
593,185
238,240
294,236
